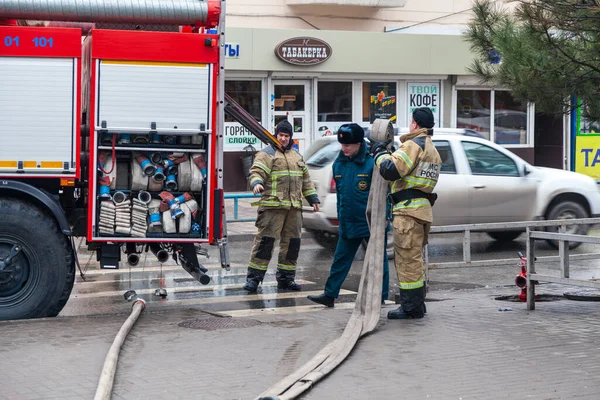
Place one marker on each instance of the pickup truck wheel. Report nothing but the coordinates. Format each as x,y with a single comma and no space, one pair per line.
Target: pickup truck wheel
568,210
325,239
36,262
505,236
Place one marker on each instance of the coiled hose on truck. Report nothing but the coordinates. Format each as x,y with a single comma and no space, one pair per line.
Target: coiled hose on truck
367,310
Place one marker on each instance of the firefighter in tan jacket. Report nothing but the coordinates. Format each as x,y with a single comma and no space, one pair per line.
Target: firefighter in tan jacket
283,180
413,172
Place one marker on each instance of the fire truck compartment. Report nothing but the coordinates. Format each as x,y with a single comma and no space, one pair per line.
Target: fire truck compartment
38,115
170,98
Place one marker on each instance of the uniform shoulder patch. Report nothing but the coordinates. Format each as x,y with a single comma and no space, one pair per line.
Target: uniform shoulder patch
362,185
420,141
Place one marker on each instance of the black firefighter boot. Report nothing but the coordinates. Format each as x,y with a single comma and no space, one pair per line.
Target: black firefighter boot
253,279
412,305
285,280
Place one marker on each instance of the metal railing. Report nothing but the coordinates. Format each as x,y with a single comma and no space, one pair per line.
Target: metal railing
522,225
236,197
563,239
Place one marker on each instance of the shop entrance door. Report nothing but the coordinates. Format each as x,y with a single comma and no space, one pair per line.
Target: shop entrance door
291,100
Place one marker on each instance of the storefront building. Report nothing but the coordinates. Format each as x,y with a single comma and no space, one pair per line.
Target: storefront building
320,79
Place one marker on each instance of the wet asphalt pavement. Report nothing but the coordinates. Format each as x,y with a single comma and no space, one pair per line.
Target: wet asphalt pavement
102,291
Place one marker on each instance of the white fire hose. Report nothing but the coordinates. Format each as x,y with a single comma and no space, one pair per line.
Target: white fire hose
107,377
367,310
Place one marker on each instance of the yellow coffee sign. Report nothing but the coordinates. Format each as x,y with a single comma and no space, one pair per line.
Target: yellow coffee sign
587,155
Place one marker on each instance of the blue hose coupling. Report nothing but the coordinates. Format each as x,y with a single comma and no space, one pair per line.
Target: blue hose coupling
125,138
170,166
176,210
170,139
104,192
180,199
148,168
155,219
155,157
159,175
171,183
156,138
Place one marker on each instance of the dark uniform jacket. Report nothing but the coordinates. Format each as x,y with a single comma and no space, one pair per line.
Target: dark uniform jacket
353,181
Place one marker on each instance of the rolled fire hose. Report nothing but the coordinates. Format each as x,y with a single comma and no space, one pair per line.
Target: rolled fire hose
139,181
168,224
107,377
184,176
185,222
197,178
367,309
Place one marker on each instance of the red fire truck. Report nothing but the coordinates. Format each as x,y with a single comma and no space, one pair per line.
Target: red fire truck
111,130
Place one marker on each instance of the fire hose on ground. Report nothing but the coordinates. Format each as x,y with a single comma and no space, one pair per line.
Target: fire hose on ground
107,377
367,310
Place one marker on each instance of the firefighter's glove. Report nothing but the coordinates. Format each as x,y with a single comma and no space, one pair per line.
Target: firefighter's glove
379,149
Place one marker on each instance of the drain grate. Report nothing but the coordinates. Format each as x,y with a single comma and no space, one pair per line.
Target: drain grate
538,298
213,324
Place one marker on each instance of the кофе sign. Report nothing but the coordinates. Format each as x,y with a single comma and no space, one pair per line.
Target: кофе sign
303,51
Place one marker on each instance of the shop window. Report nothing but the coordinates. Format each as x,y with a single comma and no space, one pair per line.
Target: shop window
476,111
289,97
248,95
379,101
335,102
510,119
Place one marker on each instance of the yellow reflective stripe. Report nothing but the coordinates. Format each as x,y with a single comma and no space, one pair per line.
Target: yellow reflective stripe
405,158
29,164
51,164
8,164
412,285
397,186
381,158
256,180
414,203
415,180
286,267
309,192
262,166
287,173
274,203
260,267
274,185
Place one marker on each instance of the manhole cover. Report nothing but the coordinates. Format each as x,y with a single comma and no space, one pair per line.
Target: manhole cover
583,295
213,324
538,297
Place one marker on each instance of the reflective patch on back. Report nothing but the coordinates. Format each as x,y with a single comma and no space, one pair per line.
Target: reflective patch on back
427,170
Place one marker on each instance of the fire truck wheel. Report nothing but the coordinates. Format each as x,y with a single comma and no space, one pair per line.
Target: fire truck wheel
37,267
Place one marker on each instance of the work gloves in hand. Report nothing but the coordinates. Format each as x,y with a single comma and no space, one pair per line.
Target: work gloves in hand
379,148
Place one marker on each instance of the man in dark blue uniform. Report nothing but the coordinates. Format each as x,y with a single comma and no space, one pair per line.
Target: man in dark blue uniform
352,171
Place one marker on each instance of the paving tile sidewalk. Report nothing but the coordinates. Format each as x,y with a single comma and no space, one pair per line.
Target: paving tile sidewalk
463,349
